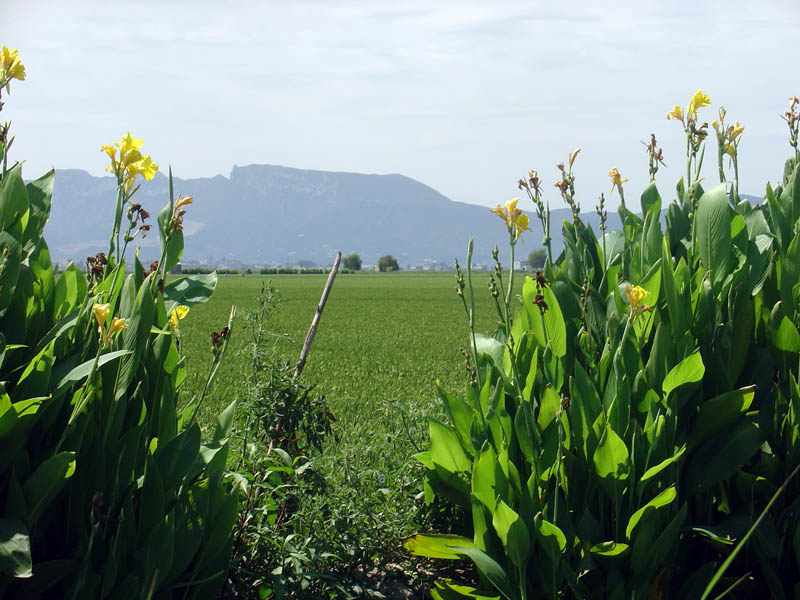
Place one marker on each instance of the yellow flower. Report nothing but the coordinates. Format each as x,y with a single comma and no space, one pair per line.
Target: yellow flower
177,314
128,143
676,113
144,167
101,316
616,180
699,100
101,313
730,150
635,295
129,157
116,325
110,150
521,225
10,65
715,125
515,220
735,131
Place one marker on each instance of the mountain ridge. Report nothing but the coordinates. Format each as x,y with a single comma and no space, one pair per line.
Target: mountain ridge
265,214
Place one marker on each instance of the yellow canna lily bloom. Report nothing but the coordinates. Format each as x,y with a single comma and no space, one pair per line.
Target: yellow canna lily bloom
110,150
144,166
129,157
635,296
10,65
101,313
699,100
177,314
513,217
117,325
676,113
127,144
735,131
520,225
616,180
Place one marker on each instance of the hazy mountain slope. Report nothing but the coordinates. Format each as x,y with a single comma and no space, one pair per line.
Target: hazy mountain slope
265,214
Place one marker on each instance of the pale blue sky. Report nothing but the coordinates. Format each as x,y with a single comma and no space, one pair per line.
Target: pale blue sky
465,97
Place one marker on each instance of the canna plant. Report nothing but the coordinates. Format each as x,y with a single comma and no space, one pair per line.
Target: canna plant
631,428
107,489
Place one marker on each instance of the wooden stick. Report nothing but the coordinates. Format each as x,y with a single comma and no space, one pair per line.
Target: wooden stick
315,321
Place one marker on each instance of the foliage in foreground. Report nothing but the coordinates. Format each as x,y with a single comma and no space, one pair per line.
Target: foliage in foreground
636,422
106,489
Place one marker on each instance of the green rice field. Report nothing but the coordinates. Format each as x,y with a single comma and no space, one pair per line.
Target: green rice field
383,337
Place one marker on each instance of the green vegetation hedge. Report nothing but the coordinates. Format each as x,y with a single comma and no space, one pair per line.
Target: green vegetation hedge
106,488
631,430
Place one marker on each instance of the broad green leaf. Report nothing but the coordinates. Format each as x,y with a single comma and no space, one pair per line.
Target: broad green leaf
35,379
138,312
613,245
656,469
676,307
46,482
40,195
720,412
713,224
491,347
550,537
445,589
663,499
15,549
781,228
786,337
512,533
13,197
790,271
666,543
171,245
550,405
484,479
611,457
152,498
490,569
189,290
719,457
609,549
188,528
554,324
535,323
689,370
219,529
42,267
446,450
9,275
224,423
175,458
651,201
83,370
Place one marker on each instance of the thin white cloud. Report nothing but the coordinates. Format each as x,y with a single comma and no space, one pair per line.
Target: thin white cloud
463,96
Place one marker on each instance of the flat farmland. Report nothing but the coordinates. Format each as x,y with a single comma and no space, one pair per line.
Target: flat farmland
384,337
